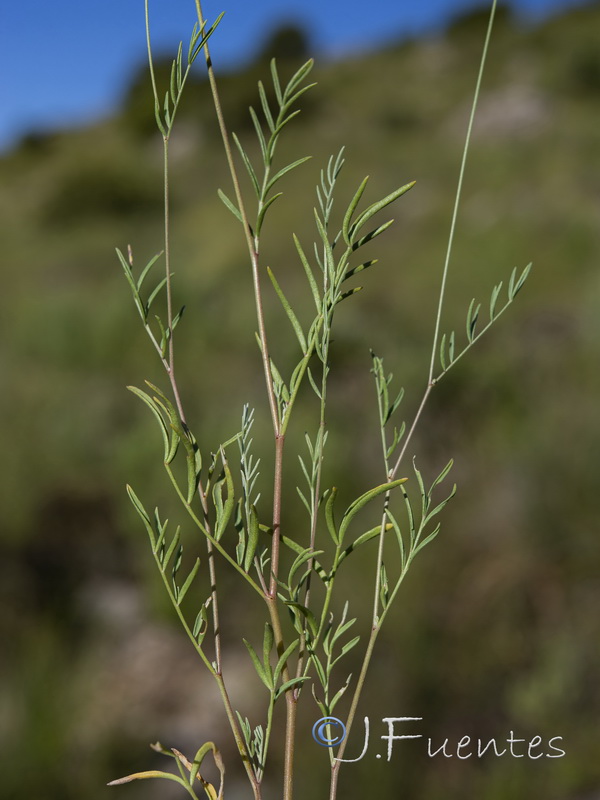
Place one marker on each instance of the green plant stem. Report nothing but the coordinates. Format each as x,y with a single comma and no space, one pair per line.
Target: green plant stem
335,768
290,702
277,494
375,630
239,739
431,381
457,197
412,429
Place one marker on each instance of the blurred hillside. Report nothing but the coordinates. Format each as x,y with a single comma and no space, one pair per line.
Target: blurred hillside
497,627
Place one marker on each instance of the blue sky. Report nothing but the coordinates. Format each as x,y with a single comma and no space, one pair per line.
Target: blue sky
67,62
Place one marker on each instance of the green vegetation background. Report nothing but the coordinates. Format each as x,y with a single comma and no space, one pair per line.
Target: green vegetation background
497,628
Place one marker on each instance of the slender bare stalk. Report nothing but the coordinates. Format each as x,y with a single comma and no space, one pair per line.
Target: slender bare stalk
457,198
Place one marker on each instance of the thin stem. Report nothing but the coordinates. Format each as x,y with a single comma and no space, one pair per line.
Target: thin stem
459,191
335,769
239,739
277,493
412,429
290,702
431,381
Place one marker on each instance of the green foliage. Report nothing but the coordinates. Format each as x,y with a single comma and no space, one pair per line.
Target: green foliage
518,534
225,510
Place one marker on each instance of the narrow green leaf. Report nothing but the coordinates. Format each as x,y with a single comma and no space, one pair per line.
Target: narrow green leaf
347,647
173,79
247,164
265,106
206,36
288,310
283,659
296,96
424,498
304,500
304,470
263,210
330,262
309,273
365,265
188,582
511,284
276,83
280,126
227,202
260,136
398,434
288,685
302,559
494,299
394,407
472,317
149,774
154,293
319,669
313,384
329,517
427,539
147,269
177,318
339,693
252,539
199,758
284,170
159,418
410,515
195,35
441,505
519,284
372,235
384,594
175,569
351,209
442,474
306,613
443,352
365,498
379,206
298,77
158,549
137,504
268,639
171,549
399,538
260,670
134,290
201,624
349,293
